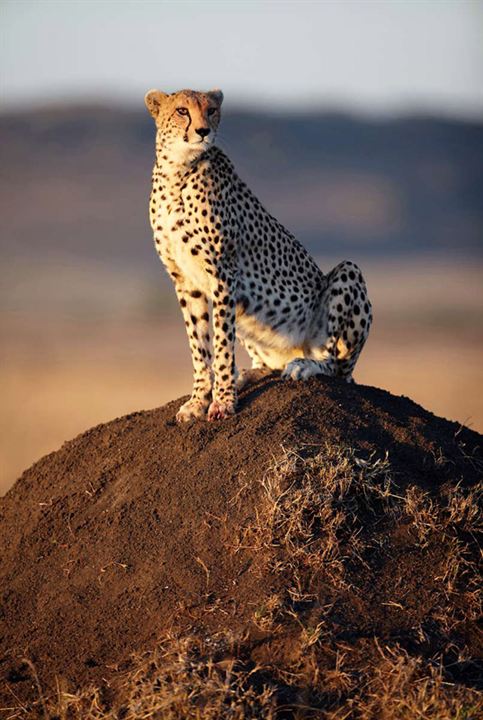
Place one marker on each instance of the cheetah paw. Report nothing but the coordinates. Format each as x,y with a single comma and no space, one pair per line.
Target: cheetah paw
220,410
191,410
301,370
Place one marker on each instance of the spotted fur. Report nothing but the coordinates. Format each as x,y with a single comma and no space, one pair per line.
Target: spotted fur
222,249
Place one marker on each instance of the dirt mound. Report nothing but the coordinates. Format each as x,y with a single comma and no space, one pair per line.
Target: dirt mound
324,521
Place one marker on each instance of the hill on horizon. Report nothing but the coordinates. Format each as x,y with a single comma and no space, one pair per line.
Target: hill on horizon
75,180
314,556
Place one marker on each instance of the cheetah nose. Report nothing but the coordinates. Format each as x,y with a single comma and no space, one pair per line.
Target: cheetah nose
203,132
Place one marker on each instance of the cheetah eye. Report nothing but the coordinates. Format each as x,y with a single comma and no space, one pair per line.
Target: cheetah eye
211,111
182,111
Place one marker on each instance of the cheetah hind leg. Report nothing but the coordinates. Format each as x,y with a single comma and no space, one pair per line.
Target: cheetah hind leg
349,314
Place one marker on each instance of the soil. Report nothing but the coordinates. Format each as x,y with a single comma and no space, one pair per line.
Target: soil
132,528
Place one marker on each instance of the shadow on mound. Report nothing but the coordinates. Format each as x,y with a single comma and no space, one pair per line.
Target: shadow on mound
305,553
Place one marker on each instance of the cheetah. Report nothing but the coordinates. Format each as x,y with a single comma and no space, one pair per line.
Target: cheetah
224,251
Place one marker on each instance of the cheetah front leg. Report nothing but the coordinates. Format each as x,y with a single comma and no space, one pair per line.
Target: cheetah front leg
224,371
194,306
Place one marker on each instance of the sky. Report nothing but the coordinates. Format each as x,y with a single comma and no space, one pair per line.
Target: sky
373,56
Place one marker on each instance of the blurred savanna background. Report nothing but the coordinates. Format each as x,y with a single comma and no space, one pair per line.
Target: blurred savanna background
358,124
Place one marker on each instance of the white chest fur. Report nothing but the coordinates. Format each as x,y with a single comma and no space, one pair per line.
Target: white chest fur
173,249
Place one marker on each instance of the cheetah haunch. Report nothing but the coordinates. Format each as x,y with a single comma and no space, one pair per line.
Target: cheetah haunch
220,245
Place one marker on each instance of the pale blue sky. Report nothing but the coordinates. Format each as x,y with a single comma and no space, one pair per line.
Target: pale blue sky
370,55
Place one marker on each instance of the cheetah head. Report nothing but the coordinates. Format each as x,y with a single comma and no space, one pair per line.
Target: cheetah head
186,122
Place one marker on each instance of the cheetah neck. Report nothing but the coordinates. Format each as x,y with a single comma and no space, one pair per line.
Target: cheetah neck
172,173
176,161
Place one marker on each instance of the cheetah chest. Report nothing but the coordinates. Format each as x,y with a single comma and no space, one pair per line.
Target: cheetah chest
175,250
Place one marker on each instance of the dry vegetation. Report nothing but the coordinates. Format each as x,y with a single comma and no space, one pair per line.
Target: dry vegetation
325,514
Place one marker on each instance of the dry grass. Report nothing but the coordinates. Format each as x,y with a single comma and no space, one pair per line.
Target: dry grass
405,688
190,679
312,512
317,519
185,678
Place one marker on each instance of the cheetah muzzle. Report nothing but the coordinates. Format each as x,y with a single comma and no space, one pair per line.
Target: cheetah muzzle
222,249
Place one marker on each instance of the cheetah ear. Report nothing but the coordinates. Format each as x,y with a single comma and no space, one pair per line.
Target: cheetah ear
216,96
154,99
